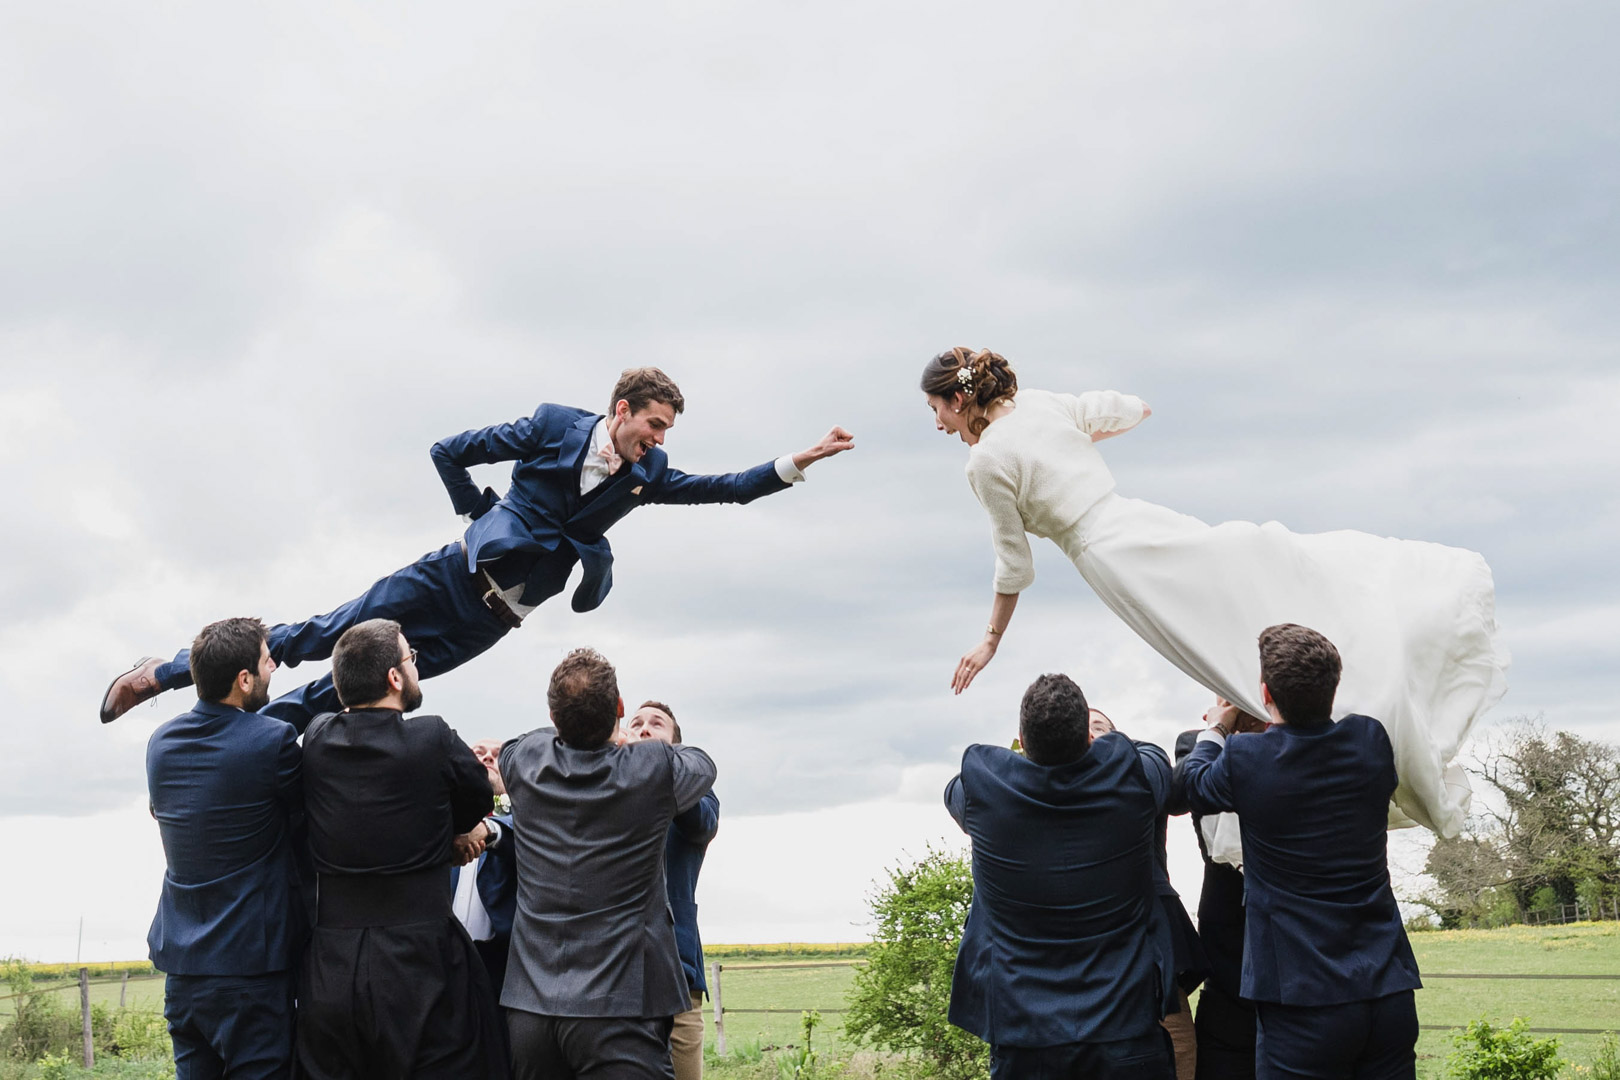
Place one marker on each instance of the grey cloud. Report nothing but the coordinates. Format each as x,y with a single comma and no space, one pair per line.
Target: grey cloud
253,264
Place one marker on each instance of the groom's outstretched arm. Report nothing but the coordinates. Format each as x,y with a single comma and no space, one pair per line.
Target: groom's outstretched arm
743,487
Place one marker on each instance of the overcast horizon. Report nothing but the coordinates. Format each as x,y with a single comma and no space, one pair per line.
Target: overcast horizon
1360,260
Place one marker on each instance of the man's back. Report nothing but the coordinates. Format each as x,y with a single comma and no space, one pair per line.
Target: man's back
224,788
1064,941
386,794
593,935
1322,923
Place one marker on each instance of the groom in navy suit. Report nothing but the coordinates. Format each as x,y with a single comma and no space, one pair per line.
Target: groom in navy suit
1325,955
226,790
577,473
1064,966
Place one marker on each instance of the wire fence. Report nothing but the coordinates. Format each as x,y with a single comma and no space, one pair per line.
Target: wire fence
1579,911
721,1011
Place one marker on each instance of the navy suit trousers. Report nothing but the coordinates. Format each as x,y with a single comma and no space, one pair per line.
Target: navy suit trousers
1358,1040
436,602
239,1026
1146,1057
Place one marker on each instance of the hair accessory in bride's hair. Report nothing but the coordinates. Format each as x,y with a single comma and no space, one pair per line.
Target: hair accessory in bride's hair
964,375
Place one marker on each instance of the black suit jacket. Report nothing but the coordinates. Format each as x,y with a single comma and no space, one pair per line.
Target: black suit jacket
387,794
1066,939
1321,926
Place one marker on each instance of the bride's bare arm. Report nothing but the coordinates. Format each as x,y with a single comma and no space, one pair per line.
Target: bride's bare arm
1001,612
1099,436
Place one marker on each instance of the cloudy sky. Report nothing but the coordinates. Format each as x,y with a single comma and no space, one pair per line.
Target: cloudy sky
1361,259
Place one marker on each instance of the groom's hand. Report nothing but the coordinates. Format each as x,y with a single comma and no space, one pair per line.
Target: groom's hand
835,441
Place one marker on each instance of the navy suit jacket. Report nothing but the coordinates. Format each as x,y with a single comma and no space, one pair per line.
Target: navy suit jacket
1321,924
226,791
684,848
543,514
497,880
1066,940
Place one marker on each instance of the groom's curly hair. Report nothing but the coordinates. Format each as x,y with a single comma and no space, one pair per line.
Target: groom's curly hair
1301,669
1054,721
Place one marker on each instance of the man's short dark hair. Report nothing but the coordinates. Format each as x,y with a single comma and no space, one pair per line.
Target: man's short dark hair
641,386
223,651
584,699
364,656
674,724
1301,669
1055,721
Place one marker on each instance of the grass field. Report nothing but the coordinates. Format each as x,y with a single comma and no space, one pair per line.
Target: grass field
1577,949
753,980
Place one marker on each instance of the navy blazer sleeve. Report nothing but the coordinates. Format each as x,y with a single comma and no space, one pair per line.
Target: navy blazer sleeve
1156,765
517,441
698,825
956,801
1203,779
674,486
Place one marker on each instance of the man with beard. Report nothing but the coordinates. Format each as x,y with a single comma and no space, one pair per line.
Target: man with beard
391,985
224,788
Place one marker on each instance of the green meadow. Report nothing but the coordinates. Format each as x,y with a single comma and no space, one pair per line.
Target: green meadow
755,979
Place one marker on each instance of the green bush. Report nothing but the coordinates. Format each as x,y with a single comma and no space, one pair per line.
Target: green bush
1488,1052
1606,1064
900,999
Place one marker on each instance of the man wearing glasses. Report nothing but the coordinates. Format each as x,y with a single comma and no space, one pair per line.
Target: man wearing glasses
391,984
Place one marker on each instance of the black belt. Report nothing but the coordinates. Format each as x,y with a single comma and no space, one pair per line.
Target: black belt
347,901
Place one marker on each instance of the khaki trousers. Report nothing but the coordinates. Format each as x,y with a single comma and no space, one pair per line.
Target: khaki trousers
1182,1035
686,1042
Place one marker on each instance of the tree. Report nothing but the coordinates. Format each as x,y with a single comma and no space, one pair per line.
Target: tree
1552,830
900,999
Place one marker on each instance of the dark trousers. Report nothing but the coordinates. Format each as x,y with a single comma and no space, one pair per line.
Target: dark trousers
494,953
436,602
239,1026
1147,1057
589,1048
1358,1040
1225,1027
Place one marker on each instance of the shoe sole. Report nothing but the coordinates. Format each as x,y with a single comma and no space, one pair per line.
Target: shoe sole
105,717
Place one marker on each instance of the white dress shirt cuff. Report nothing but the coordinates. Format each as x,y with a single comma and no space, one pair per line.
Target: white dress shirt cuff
789,472
1211,735
495,831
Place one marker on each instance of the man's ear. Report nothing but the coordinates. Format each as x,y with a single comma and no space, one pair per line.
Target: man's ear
244,680
396,678
620,714
1265,695
621,410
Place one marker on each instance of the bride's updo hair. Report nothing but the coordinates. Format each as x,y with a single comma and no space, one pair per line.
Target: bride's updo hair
981,377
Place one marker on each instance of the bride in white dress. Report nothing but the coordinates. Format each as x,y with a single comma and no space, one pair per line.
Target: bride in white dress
1413,621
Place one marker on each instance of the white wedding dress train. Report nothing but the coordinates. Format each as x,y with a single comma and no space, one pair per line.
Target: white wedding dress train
1414,622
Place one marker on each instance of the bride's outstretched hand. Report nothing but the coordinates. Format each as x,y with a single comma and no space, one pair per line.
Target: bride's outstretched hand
971,664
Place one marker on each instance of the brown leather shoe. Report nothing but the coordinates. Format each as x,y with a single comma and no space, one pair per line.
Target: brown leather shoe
134,686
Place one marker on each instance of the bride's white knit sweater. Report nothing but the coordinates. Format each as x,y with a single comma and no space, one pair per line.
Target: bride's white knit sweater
1036,470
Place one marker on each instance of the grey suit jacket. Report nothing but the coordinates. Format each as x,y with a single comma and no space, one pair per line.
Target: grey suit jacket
593,934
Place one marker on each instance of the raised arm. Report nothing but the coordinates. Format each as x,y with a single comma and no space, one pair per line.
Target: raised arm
503,442
744,487
1102,414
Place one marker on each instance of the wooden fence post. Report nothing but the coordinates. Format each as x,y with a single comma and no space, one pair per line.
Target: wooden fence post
123,990
84,1011
719,1010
